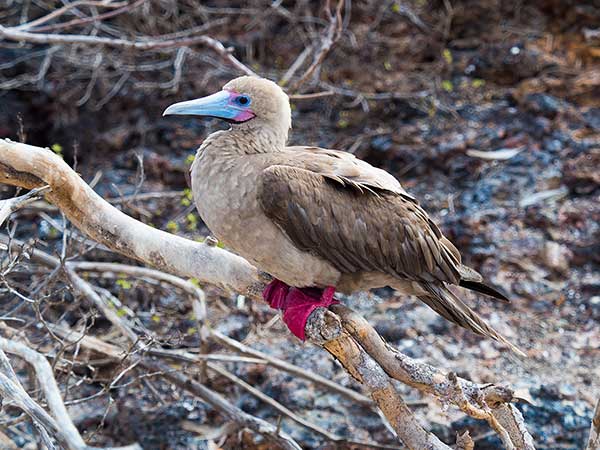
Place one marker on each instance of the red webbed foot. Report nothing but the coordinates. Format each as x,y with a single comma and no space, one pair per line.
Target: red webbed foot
297,303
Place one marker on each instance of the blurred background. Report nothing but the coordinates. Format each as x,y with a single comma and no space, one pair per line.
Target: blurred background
487,111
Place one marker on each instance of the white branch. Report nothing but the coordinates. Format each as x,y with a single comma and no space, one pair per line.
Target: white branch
8,206
351,339
61,425
30,167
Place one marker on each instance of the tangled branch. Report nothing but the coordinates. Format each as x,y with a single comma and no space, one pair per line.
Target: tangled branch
344,334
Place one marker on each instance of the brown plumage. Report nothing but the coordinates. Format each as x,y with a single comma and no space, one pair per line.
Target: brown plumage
317,217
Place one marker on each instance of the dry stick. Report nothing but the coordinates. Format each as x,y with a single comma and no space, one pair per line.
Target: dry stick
287,412
331,36
290,368
154,43
8,206
60,11
489,402
298,97
325,328
84,20
193,387
11,390
7,370
63,427
594,439
28,166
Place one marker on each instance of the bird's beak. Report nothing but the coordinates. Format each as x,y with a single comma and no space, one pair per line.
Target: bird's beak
218,105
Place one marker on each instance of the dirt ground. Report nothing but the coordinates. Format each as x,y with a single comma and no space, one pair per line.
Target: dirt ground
488,112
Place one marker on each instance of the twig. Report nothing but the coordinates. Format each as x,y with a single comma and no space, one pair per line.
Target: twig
406,11
324,328
157,43
297,97
7,207
82,20
489,402
356,344
594,438
11,390
195,388
290,368
61,426
7,370
331,36
60,11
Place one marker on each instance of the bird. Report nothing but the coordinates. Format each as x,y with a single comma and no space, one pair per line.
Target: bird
319,221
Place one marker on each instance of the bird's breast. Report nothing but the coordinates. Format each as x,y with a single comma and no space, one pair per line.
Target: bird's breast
225,193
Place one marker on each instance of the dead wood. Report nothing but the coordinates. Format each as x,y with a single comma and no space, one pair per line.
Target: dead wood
343,333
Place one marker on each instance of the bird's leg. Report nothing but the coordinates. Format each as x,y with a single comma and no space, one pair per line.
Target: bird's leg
297,303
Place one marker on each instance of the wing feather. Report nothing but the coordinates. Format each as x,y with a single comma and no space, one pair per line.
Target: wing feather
354,229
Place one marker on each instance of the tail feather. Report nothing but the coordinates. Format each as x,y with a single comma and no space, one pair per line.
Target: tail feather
483,288
449,306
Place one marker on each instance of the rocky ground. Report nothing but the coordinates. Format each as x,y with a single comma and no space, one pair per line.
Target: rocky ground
502,149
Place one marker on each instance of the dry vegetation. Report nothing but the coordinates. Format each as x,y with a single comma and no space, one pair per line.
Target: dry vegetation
487,111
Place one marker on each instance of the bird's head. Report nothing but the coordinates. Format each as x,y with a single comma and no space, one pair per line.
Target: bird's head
252,101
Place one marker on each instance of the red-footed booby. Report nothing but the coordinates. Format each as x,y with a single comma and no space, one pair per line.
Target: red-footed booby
317,220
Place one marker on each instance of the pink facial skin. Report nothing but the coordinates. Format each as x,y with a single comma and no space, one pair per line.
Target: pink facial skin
243,116
245,113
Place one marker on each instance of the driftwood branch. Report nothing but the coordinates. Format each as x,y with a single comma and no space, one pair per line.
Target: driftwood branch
344,334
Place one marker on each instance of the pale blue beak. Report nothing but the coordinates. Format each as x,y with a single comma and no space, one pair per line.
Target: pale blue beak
215,105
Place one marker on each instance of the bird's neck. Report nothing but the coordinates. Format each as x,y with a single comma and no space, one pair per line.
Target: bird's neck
246,140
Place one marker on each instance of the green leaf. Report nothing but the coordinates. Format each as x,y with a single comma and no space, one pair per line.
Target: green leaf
477,83
190,159
57,148
343,123
124,284
447,54
172,226
447,86
192,221
195,282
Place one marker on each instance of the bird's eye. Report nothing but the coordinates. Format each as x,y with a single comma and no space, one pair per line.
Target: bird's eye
243,100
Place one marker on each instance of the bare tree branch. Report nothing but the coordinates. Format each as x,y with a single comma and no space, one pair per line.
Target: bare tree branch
594,438
331,36
8,206
60,426
489,402
347,336
155,43
215,400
